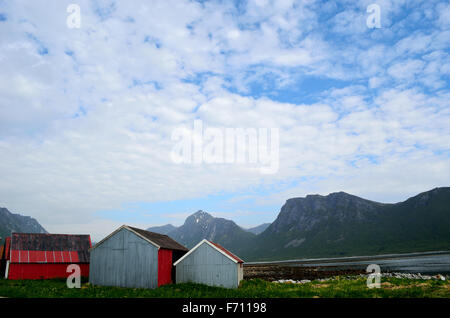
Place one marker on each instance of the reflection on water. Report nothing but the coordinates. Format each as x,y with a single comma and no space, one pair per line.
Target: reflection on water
426,264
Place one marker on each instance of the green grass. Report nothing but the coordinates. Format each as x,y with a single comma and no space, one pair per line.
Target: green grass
340,288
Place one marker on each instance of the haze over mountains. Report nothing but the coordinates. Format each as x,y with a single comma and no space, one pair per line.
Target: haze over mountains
258,229
339,224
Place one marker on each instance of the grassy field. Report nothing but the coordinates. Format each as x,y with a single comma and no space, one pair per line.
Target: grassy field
255,288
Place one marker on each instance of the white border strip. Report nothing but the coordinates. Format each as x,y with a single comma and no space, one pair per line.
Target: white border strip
7,270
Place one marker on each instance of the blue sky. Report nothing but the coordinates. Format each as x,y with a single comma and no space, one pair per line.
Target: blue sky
87,114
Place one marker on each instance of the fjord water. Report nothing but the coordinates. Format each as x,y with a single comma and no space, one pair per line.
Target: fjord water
422,262
425,263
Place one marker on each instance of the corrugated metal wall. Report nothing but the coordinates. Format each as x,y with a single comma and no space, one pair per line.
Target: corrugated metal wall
124,260
208,266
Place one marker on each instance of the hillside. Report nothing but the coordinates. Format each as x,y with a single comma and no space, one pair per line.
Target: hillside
163,229
10,222
341,224
258,229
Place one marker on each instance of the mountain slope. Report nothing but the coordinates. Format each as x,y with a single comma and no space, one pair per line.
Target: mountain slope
341,224
10,222
163,229
202,225
258,229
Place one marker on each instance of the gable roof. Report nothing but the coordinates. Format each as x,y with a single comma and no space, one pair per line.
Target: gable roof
158,240
227,252
215,246
49,242
162,240
49,248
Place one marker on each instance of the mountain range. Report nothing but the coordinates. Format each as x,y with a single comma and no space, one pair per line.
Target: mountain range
338,224
165,229
10,222
202,225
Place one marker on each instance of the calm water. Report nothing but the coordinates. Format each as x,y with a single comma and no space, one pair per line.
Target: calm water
424,264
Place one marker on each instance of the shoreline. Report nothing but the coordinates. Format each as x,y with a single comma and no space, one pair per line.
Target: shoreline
347,258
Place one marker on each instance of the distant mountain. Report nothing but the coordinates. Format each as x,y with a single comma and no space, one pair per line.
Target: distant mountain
202,225
341,224
258,229
10,222
163,229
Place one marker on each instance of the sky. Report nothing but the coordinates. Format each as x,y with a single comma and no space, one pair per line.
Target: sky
89,105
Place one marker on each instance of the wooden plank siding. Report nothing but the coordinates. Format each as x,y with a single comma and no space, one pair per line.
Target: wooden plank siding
207,266
124,260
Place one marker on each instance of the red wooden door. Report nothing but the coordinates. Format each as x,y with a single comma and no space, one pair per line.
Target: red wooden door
164,267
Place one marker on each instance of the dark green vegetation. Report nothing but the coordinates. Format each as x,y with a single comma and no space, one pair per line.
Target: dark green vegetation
256,288
17,223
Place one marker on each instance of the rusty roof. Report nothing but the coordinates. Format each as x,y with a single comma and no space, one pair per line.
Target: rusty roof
163,241
227,252
215,246
42,242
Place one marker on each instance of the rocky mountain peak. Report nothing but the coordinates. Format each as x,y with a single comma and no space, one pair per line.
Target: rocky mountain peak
303,213
423,199
200,217
202,225
11,222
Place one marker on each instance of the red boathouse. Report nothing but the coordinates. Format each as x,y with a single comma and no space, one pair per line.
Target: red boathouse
44,256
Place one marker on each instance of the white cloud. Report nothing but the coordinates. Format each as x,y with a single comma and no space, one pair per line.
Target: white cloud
86,127
444,15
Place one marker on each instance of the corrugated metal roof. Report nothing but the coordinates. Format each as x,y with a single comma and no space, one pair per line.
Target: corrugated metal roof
163,241
227,252
49,242
49,248
48,257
